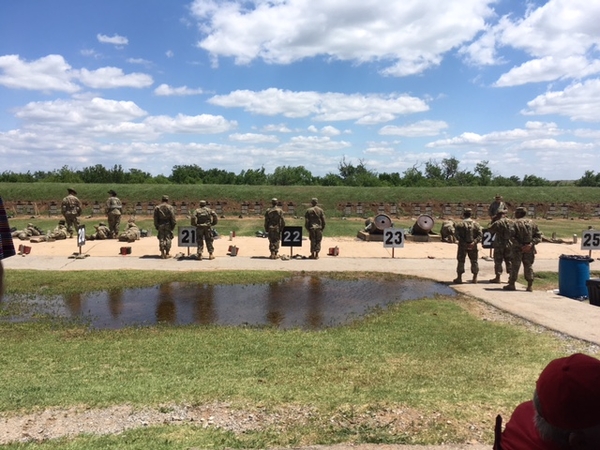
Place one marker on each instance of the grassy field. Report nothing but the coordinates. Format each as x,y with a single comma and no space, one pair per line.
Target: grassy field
423,372
427,371
333,199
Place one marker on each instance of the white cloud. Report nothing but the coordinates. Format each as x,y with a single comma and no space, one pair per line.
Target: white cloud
559,39
114,40
533,131
201,124
406,36
53,73
253,138
277,128
113,77
322,107
50,73
580,101
422,128
169,54
166,90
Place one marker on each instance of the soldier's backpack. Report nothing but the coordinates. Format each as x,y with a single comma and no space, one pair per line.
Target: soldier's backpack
468,231
273,217
203,218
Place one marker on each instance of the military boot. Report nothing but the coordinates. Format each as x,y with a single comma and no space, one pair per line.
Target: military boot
458,279
162,254
509,287
495,280
199,256
272,256
529,286
316,255
211,256
474,281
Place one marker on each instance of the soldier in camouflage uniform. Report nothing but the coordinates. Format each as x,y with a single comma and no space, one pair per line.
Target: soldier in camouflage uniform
102,232
501,227
274,224
113,213
71,210
447,231
30,231
60,232
132,233
525,237
314,222
468,234
164,222
496,206
204,219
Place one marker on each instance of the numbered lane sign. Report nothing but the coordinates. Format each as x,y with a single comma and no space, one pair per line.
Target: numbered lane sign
393,237
291,237
81,235
590,240
488,239
186,237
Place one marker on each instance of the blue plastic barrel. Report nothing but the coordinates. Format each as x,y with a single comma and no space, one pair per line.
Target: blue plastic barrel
573,273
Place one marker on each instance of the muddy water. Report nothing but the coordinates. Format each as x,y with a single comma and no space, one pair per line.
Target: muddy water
309,302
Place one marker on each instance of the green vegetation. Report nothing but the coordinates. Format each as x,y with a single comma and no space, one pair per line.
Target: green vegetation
433,358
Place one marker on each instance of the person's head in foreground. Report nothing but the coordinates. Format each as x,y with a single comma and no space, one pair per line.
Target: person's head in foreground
566,408
567,402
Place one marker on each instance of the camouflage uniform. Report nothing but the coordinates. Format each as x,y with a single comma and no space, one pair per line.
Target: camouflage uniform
30,231
447,231
60,232
131,234
502,245
525,237
71,210
468,234
113,213
314,222
164,222
102,232
496,206
274,224
204,219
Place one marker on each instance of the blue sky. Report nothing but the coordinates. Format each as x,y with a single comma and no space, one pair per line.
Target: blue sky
235,85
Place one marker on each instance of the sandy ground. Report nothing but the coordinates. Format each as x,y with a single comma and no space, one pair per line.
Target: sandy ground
257,247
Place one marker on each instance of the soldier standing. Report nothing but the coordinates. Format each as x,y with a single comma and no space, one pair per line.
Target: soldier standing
525,237
113,213
468,234
164,222
314,222
274,223
204,219
71,210
501,226
497,205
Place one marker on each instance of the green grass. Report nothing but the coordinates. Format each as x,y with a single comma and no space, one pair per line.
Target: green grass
332,199
430,356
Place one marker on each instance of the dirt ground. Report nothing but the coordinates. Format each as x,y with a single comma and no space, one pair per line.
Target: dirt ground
257,246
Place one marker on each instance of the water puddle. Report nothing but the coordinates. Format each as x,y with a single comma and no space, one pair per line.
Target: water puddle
309,302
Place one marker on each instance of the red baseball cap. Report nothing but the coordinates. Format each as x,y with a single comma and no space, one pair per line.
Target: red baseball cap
568,390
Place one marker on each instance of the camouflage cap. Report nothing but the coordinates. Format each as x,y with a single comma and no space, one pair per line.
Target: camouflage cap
165,198
61,222
520,209
467,210
202,203
274,200
101,224
498,197
314,200
112,192
30,224
71,191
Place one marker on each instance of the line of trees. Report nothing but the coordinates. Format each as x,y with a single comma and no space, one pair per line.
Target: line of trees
431,174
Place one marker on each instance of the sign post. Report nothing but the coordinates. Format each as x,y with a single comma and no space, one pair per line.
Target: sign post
291,237
187,237
393,238
80,237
